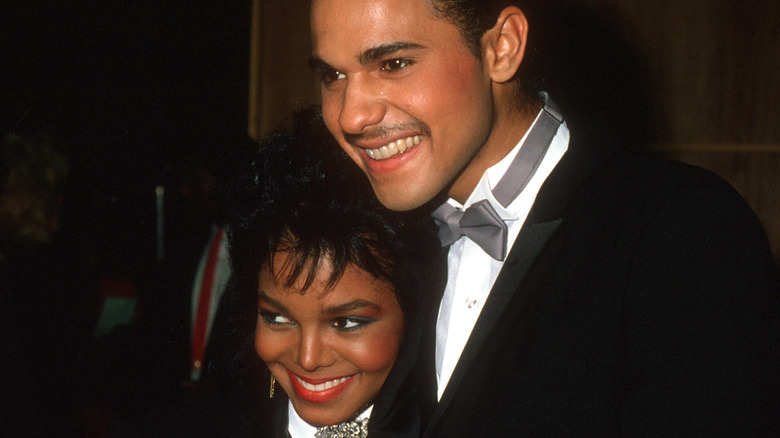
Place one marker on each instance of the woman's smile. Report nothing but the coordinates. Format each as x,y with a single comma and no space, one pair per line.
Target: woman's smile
319,390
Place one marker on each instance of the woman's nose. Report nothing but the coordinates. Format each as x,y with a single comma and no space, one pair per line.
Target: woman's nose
313,351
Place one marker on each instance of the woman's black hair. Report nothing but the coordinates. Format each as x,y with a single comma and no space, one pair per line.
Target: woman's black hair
302,194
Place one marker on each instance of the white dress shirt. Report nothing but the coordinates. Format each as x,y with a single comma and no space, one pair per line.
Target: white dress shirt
470,271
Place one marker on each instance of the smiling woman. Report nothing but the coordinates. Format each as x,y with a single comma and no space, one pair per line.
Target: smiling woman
330,348
338,283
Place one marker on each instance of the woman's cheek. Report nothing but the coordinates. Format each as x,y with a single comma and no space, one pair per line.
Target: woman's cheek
377,353
265,345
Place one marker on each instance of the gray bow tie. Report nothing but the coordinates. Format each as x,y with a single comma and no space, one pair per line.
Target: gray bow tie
347,429
480,222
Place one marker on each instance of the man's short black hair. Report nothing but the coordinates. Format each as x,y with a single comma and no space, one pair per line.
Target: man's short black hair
302,194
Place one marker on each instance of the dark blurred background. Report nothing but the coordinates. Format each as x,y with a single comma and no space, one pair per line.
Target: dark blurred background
126,89
136,96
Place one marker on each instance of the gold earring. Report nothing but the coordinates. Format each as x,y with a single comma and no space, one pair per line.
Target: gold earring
273,381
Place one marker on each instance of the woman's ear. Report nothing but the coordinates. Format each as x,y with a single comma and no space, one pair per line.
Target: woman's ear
504,45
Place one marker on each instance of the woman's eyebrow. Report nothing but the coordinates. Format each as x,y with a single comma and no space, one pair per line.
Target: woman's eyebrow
262,296
349,306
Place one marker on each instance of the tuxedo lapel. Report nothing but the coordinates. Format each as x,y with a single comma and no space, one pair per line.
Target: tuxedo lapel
426,362
528,245
543,221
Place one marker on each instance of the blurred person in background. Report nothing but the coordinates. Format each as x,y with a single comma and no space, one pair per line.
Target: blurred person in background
173,348
48,293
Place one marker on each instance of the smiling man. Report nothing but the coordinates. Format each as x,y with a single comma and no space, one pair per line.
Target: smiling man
410,102
589,292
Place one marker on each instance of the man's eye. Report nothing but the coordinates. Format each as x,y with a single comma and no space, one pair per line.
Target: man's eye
395,64
273,318
330,76
350,323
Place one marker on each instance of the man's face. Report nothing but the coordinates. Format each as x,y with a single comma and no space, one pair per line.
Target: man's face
402,94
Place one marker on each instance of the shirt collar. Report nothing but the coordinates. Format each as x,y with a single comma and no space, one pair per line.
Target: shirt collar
297,427
490,179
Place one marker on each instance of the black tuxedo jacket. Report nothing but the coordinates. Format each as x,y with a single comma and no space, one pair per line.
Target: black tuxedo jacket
639,299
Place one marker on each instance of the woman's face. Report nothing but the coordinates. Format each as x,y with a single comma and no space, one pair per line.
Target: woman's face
330,350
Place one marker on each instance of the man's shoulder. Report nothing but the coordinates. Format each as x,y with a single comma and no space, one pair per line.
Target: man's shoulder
628,194
628,177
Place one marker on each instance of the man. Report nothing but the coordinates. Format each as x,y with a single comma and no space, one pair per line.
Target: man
602,294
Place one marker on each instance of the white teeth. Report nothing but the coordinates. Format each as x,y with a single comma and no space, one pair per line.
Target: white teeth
394,148
322,386
391,148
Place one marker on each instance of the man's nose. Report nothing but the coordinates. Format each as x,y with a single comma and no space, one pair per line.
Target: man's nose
362,106
313,351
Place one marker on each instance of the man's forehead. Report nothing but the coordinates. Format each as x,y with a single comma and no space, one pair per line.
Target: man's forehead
371,5
363,28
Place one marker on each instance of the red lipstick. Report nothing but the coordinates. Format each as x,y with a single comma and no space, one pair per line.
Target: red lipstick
318,396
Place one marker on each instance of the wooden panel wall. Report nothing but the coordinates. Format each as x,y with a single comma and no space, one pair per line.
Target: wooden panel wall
280,79
694,80
713,70
714,64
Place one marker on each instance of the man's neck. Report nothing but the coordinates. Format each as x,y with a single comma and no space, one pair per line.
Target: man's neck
507,131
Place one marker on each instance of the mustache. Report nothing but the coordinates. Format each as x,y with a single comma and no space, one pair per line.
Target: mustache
376,132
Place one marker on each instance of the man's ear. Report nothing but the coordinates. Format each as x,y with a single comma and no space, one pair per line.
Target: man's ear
504,45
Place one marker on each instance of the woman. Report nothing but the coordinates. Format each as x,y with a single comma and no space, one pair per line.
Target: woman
338,282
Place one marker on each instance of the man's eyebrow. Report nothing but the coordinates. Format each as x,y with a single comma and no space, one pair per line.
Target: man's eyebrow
318,65
369,56
347,307
377,53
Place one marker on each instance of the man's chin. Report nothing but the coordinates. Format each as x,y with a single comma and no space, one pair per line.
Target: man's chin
400,198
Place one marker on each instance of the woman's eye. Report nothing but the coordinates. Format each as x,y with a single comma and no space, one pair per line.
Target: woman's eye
395,64
274,318
349,323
